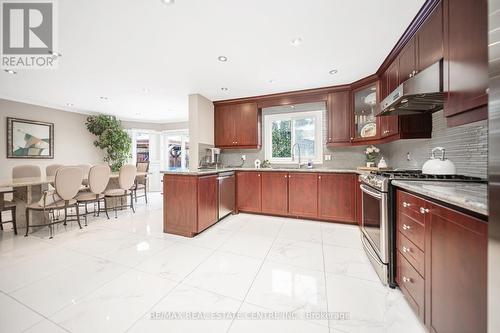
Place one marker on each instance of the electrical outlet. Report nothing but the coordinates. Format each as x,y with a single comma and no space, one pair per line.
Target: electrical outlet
244,157
328,157
408,156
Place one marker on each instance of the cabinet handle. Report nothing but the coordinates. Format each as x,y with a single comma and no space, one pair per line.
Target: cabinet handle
424,210
405,204
406,279
406,227
406,249
319,177
258,175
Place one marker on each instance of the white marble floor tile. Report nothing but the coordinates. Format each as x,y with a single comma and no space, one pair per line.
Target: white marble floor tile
225,274
301,230
248,245
259,225
115,306
36,267
211,238
232,222
15,317
175,262
299,253
66,286
283,287
45,326
341,235
187,299
348,261
257,324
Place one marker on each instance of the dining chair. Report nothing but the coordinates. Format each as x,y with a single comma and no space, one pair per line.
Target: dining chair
50,170
126,180
98,181
85,170
26,171
6,206
141,182
67,183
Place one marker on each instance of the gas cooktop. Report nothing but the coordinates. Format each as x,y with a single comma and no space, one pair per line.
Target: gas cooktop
381,179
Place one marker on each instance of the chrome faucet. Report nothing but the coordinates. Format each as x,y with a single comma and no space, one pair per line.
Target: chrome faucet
293,154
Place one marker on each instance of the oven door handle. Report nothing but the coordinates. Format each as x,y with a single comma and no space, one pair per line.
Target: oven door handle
371,192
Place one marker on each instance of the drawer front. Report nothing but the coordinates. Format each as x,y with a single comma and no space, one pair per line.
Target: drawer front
411,229
412,285
411,205
411,252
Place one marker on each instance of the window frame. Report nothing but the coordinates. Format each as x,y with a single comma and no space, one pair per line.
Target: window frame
318,135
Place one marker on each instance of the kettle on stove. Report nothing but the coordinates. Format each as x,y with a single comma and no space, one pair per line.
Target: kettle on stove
438,165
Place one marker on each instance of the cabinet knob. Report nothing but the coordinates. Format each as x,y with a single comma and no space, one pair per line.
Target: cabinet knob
405,204
406,279
285,176
258,175
410,75
406,249
424,210
406,227
319,177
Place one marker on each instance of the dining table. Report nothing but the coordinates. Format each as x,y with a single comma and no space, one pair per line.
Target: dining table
28,190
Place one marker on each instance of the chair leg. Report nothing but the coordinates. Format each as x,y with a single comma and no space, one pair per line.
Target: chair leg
1,223
132,201
65,215
14,222
27,222
135,194
51,226
106,207
86,212
78,216
98,207
146,193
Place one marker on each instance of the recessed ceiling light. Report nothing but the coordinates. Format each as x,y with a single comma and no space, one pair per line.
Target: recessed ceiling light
103,98
296,41
55,54
145,90
224,89
271,81
137,113
222,58
333,72
69,104
10,71
168,2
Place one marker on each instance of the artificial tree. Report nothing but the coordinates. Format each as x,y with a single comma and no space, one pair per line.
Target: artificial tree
112,138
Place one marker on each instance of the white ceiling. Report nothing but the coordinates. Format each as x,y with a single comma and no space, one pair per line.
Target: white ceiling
116,48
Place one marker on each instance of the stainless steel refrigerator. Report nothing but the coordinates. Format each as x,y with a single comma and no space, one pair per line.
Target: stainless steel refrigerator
494,168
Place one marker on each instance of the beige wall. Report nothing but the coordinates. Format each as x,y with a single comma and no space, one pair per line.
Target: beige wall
201,126
155,126
73,144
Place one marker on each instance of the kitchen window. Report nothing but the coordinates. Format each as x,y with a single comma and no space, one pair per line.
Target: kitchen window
283,131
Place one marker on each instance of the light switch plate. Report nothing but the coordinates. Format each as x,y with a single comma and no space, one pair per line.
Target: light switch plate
328,157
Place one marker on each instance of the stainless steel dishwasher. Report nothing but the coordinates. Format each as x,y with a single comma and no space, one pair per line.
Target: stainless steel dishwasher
227,193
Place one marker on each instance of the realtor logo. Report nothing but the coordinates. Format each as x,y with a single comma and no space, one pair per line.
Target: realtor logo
28,34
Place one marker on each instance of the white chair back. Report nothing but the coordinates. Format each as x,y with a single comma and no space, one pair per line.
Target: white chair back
68,181
99,178
127,176
50,170
26,171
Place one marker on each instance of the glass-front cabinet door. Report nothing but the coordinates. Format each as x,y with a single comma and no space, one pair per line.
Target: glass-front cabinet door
365,122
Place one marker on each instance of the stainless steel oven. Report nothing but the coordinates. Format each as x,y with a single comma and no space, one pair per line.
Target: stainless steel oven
375,230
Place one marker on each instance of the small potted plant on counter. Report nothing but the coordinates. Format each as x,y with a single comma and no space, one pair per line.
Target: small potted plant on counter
371,153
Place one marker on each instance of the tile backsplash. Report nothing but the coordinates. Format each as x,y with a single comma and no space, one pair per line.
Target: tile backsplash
466,146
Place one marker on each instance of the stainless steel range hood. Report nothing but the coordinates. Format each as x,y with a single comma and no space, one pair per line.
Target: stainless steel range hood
421,93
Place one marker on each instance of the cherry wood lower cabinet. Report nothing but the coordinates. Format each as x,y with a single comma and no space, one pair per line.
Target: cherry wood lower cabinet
303,194
249,191
189,204
441,269
275,193
337,197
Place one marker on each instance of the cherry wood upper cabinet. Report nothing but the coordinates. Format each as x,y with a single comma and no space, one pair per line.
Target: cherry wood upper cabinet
207,201
389,125
456,265
407,61
430,40
465,60
365,126
303,194
339,117
249,191
275,193
238,126
337,197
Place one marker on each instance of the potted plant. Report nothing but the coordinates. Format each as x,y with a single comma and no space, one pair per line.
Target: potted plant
112,138
371,153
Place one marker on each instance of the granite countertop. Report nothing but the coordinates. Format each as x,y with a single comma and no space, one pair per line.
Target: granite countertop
470,196
214,171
